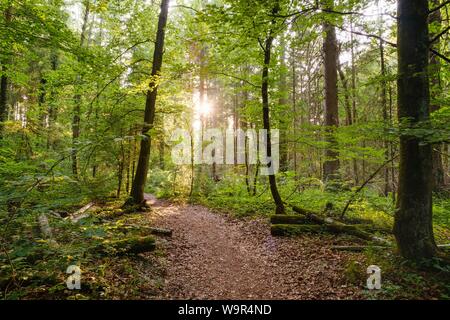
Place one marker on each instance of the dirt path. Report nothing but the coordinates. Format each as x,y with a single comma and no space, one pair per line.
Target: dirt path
212,256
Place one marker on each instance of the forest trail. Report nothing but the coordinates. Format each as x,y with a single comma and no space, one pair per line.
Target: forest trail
213,256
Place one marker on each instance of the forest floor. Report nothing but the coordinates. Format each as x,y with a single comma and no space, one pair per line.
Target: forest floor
214,256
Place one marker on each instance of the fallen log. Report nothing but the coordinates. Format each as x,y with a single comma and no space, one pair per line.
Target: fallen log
280,230
289,219
357,248
362,248
297,229
81,213
133,245
148,230
338,227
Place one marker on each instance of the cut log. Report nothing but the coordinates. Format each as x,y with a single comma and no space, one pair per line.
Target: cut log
289,219
132,245
338,227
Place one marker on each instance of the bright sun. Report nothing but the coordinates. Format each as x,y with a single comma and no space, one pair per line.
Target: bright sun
202,108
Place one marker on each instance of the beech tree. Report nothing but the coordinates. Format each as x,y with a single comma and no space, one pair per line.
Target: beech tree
140,179
413,225
331,60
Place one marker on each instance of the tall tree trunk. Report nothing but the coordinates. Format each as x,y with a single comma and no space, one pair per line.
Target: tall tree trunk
52,110
413,226
347,102
266,113
283,102
331,163
436,89
294,108
137,190
384,106
162,148
354,114
4,81
76,120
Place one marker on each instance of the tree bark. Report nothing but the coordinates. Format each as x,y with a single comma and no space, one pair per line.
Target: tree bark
331,163
137,190
52,111
266,113
347,102
4,81
76,120
283,102
436,89
413,227
384,108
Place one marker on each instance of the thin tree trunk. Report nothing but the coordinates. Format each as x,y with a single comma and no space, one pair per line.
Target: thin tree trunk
347,102
76,120
52,110
162,148
354,119
266,114
121,166
4,81
413,226
294,109
283,101
436,89
384,108
331,163
137,190
191,190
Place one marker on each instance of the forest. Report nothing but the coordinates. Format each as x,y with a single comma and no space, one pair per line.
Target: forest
224,149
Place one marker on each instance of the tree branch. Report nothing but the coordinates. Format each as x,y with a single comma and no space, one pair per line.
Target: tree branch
237,78
365,183
439,7
440,34
440,55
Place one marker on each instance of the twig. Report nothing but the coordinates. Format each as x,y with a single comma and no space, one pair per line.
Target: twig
440,34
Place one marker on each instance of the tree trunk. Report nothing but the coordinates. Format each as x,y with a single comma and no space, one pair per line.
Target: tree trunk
52,110
347,102
413,225
384,108
355,162
76,120
137,190
266,114
4,81
331,163
436,89
283,102
294,108
162,148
